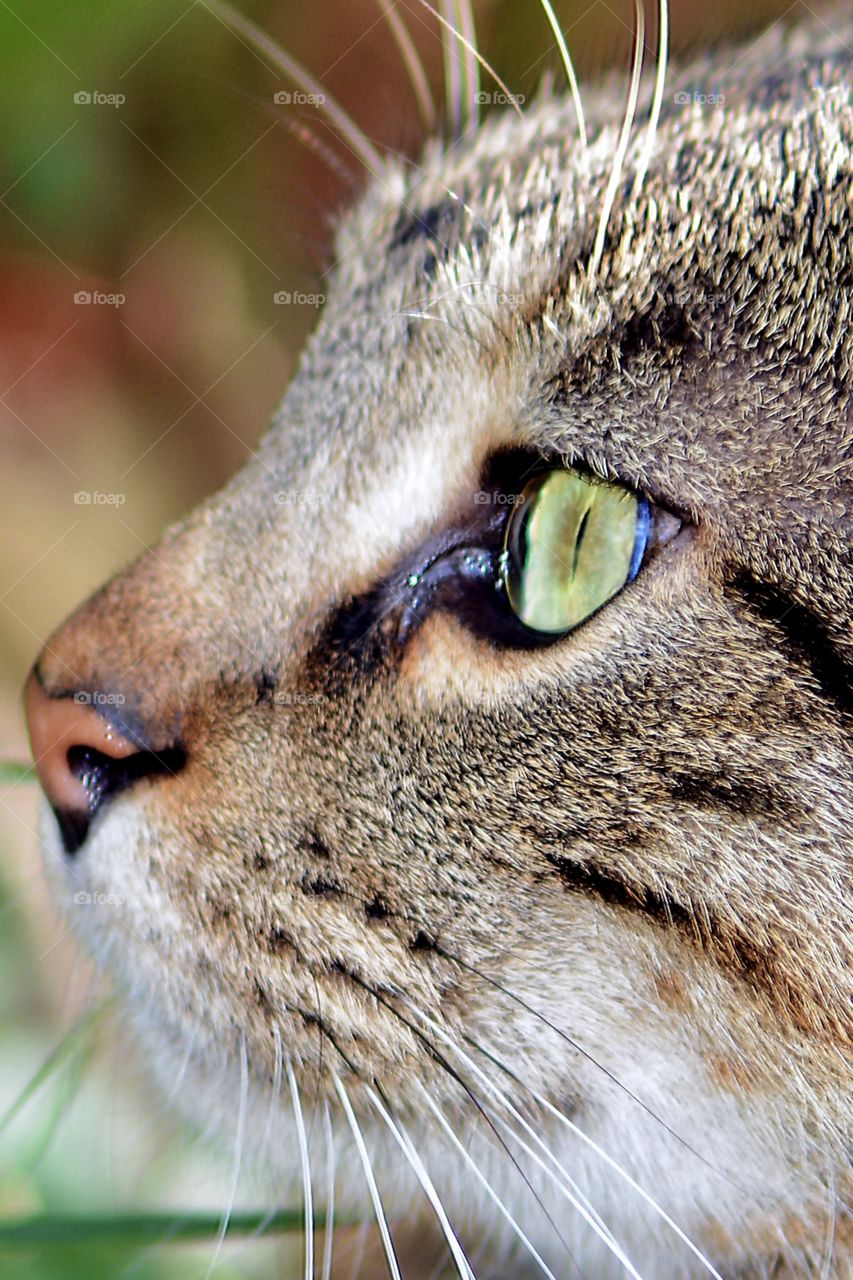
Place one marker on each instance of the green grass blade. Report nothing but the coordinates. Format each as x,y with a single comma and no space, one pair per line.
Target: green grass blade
11,771
140,1228
63,1052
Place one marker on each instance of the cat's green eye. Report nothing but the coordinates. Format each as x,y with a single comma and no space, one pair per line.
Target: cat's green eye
571,543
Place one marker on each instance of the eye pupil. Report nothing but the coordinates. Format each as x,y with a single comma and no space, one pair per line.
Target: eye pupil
578,542
572,542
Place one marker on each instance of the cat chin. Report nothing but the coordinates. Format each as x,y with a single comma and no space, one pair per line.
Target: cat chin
566,1195
721,1164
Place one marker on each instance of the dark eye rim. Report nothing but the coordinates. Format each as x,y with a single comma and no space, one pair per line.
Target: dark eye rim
461,572
539,466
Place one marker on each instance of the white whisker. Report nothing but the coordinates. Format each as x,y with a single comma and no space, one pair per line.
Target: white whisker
613,1164
510,96
641,1191
831,1222
569,67
412,62
565,1183
452,68
624,136
364,1156
275,1095
657,96
239,1139
329,1238
305,1163
484,1182
349,131
407,1147
471,78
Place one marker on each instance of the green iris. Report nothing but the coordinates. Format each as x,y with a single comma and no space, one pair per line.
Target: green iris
571,543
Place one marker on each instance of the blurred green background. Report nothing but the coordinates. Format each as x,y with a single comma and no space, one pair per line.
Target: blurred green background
181,191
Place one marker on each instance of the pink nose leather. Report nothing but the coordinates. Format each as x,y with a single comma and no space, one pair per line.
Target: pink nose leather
58,724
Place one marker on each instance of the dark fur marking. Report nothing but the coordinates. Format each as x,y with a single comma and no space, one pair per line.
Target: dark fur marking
734,950
320,888
422,942
719,790
804,637
352,646
266,683
670,326
277,941
312,845
261,996
376,909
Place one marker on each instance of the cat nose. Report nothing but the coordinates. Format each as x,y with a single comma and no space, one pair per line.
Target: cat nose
83,761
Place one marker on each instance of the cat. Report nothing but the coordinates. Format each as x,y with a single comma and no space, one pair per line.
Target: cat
462,795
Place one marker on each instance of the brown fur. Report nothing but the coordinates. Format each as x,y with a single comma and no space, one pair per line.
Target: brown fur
653,812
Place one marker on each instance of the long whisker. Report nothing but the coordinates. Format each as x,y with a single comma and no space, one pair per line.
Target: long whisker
451,43
569,1189
608,1159
584,1053
304,1161
569,67
624,136
334,112
447,1066
657,96
331,159
466,44
412,62
471,78
364,1156
329,1238
603,1155
407,1147
239,1141
484,1182
275,1095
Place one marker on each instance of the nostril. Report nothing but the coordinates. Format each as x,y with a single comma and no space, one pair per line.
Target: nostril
82,760
103,776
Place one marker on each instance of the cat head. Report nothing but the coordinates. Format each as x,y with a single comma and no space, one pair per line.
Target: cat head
479,757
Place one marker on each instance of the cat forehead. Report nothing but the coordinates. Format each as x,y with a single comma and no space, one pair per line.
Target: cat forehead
517,201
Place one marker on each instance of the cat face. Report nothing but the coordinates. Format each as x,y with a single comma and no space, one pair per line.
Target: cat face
576,896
